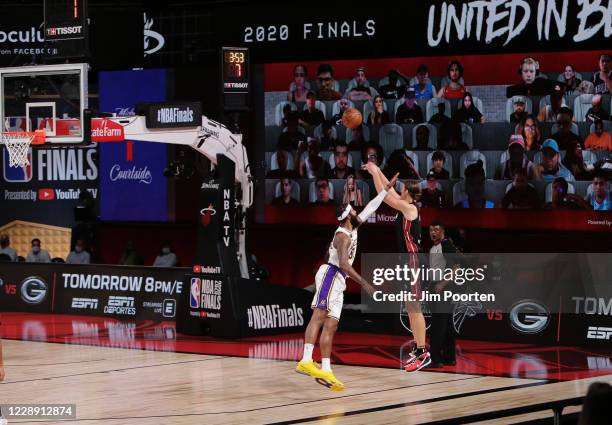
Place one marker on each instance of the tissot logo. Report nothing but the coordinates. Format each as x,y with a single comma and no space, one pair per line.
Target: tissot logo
58,31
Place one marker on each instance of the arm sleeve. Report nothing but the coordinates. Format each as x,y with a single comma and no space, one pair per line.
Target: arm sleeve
372,206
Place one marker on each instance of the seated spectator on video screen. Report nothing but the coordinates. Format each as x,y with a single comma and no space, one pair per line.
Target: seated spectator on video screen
378,116
574,162
551,167
440,118
432,197
312,165
564,136
393,90
409,112
475,188
561,199
439,172
451,137
131,256
323,192
362,91
424,89
516,161
530,130
548,113
422,139
326,91
468,112
285,199
341,156
596,111
37,254
454,89
401,163
327,140
287,112
352,193
358,140
521,195
298,94
599,140
599,199
519,113
532,85
167,256
602,79
371,152
311,116
5,247
79,254
570,81
290,140
344,105
282,157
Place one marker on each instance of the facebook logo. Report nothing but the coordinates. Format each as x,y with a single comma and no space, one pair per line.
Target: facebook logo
16,174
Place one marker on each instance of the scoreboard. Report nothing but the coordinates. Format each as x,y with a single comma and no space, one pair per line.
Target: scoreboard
235,78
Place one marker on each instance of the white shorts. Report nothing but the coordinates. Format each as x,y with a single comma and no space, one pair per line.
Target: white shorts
331,283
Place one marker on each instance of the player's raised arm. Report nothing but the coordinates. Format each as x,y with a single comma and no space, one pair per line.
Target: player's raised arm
342,243
375,203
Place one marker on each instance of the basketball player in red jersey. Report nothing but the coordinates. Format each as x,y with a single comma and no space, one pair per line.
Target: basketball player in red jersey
411,238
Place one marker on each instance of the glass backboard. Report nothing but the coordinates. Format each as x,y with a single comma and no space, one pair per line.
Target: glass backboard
49,97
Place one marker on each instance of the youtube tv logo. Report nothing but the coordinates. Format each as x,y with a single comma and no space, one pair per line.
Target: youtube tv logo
46,194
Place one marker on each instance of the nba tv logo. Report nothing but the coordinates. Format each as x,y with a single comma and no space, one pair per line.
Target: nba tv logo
16,174
194,292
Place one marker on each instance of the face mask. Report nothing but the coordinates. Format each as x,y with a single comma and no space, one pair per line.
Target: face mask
35,249
165,250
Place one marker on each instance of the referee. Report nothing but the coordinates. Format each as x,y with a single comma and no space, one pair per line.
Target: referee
442,332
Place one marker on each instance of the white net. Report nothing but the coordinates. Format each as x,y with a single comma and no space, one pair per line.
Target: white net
18,145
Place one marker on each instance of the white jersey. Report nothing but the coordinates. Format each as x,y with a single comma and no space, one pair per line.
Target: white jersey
333,252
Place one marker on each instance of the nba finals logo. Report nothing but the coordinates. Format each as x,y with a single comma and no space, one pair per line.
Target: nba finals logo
207,214
194,294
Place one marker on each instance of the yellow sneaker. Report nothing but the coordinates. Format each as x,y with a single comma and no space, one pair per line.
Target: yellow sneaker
307,368
327,379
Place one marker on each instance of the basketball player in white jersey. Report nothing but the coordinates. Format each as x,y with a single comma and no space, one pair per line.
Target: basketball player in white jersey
330,284
410,238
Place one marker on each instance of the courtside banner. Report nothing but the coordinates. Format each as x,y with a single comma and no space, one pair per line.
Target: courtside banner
132,184
138,293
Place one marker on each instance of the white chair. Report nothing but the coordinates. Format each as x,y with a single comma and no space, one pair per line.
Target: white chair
318,105
469,158
433,135
582,104
391,137
467,135
385,80
511,184
274,161
448,162
336,106
589,158
475,100
555,127
366,133
423,185
459,194
546,101
295,190
413,156
548,191
432,107
278,111
312,191
510,105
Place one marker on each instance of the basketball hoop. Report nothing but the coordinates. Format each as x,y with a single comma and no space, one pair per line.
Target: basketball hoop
18,145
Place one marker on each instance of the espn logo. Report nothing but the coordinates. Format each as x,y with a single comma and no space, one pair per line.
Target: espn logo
169,308
120,305
85,303
596,332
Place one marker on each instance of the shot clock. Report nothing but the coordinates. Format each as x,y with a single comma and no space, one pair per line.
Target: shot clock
235,78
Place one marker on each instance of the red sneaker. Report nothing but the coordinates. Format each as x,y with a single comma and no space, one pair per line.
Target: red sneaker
418,362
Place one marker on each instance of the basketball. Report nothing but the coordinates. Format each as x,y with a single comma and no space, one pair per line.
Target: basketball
352,118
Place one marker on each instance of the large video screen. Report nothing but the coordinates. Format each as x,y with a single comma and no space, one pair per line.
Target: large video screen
487,138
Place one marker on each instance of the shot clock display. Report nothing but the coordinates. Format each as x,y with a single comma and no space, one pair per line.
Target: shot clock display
236,85
65,19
